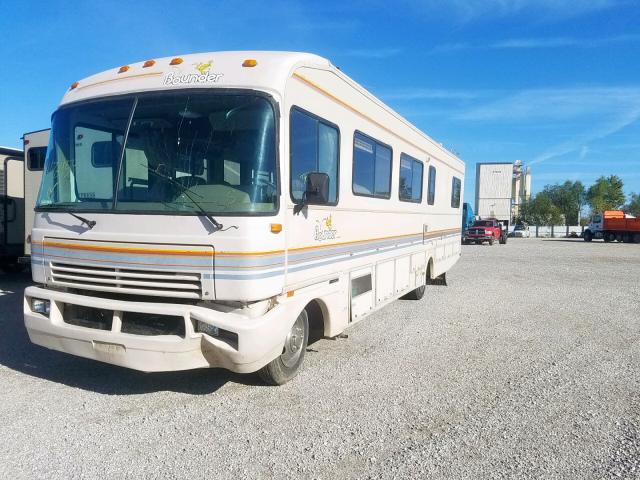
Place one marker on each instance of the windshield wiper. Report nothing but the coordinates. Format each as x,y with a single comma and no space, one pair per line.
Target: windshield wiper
89,223
183,189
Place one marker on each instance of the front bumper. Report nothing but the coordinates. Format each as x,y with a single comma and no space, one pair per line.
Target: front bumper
477,238
259,340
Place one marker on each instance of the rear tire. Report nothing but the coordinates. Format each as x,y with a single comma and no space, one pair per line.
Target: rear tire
282,369
491,241
503,239
609,237
416,294
636,238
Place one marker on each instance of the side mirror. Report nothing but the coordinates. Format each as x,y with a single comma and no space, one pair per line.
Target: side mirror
316,191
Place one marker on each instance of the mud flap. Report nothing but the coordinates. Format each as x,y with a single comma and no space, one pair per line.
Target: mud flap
441,280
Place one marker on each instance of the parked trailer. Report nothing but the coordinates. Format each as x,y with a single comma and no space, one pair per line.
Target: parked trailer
613,225
11,208
221,209
35,152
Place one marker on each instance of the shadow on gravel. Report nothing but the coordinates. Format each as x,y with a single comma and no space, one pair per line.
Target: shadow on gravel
570,240
19,354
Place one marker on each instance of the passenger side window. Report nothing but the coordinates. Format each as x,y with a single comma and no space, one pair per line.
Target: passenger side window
431,189
456,187
371,167
314,148
410,179
95,179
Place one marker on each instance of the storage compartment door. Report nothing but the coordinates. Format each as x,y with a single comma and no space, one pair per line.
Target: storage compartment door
361,293
403,266
385,279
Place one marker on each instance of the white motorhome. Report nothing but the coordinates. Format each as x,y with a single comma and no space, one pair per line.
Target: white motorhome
11,207
35,152
221,209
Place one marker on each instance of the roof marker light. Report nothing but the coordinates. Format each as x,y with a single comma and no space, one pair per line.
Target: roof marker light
74,85
149,63
176,61
123,69
249,62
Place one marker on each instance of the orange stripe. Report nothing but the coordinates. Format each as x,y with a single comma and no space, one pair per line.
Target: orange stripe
149,74
232,254
93,248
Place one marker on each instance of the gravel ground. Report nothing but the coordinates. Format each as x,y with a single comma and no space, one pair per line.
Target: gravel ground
526,366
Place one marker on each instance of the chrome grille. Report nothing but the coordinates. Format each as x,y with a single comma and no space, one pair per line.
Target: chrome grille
126,280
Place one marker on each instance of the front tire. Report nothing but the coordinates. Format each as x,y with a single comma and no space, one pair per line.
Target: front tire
588,236
282,369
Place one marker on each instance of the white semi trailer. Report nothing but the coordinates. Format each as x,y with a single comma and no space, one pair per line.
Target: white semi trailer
494,184
11,207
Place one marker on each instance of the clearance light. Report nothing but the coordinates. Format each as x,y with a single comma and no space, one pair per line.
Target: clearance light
249,62
176,61
149,63
290,293
74,85
276,227
123,69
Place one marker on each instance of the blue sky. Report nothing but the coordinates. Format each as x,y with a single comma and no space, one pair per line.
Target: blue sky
554,83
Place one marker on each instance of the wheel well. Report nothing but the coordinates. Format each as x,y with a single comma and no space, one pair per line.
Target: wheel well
429,269
317,315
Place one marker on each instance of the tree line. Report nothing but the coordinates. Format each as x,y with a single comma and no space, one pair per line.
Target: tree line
565,203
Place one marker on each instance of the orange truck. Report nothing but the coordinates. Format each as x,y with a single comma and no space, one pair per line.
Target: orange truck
613,225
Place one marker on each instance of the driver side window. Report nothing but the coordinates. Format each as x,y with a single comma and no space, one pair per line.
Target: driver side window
314,148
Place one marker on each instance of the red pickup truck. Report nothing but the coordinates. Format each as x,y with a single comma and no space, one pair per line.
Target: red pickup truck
485,231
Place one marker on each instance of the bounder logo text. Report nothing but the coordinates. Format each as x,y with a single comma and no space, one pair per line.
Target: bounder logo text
203,76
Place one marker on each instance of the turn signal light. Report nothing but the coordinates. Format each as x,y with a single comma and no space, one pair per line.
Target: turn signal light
276,227
123,69
249,62
149,63
176,61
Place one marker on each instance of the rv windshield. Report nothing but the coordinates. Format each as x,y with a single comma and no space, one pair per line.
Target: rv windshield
184,153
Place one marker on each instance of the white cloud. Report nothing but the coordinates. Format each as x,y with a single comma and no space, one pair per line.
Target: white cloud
554,42
537,43
428,94
558,104
374,52
468,10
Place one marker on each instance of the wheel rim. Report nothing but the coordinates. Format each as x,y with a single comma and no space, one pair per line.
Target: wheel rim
293,343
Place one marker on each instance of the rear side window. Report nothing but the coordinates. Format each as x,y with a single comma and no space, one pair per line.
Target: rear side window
371,167
431,189
410,188
314,148
35,158
456,187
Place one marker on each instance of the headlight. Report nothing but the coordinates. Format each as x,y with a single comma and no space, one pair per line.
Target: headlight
39,305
